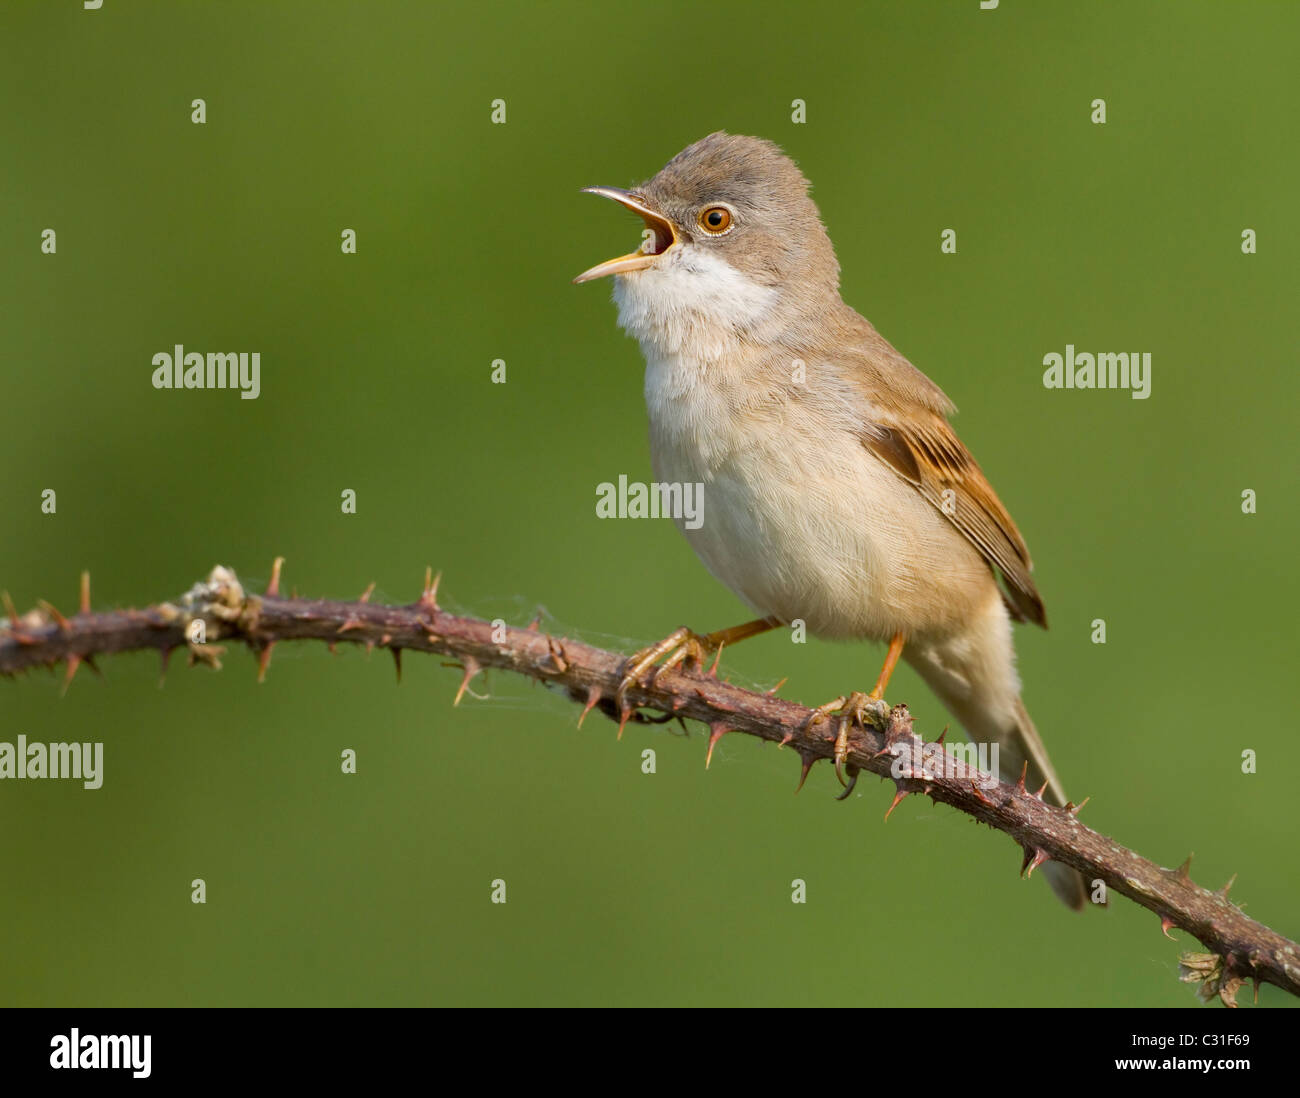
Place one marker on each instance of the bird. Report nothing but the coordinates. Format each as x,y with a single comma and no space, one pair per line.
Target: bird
835,491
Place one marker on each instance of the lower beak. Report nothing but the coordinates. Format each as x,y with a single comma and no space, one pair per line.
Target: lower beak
664,236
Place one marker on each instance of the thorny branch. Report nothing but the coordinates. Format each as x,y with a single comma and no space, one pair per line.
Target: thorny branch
219,609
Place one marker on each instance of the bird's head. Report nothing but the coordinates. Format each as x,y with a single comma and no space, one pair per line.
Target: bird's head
732,239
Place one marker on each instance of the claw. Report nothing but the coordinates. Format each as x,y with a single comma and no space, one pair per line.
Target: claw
680,646
853,781
853,712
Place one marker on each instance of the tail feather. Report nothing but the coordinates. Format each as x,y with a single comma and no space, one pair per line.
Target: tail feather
991,711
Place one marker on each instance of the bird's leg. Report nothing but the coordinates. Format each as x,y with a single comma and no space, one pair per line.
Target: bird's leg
886,672
685,646
855,708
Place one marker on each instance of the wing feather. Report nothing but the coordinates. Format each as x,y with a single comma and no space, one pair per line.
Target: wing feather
927,453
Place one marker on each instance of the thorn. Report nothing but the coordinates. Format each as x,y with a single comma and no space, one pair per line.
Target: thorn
53,611
1165,924
333,646
1074,810
593,699
1184,871
365,595
1020,784
717,658
165,655
943,735
472,668
397,663
979,796
74,661
386,639
536,623
808,761
1223,892
370,647
853,781
1041,789
351,623
777,686
556,652
1033,859
85,593
787,738
11,611
429,598
264,661
716,732
898,799
623,714
273,588
1256,982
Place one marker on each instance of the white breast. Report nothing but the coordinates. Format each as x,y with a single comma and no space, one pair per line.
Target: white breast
800,520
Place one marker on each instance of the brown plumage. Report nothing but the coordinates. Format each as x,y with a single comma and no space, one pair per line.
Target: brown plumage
835,490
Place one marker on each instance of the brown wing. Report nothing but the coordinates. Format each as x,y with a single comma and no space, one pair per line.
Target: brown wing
926,453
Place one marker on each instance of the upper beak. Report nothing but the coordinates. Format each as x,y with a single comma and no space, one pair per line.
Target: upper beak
664,236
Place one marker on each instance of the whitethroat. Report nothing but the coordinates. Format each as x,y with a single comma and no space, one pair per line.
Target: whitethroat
835,491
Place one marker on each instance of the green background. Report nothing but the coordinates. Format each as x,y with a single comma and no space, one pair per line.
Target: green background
623,888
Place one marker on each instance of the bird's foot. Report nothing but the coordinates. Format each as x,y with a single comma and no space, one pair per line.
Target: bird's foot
682,647
854,709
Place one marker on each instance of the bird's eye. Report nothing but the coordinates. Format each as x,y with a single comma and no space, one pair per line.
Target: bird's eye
715,219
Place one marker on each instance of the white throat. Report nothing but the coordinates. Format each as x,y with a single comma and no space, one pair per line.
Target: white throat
692,304
700,323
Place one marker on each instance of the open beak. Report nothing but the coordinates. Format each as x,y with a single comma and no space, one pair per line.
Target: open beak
651,249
